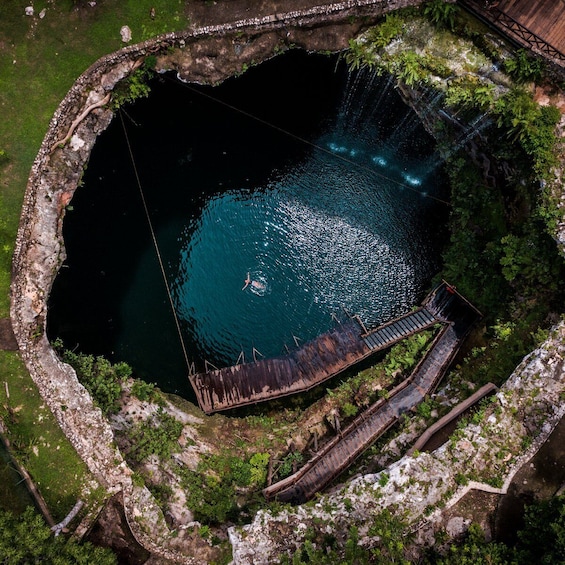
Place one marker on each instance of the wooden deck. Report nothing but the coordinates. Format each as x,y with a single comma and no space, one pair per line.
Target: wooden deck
536,24
545,18
312,364
315,362
339,453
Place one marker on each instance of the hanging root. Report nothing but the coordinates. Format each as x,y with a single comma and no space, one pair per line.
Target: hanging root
79,119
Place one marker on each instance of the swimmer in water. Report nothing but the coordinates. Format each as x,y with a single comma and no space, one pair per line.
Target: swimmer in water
254,284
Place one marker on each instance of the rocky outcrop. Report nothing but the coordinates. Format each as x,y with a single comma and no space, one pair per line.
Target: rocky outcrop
420,488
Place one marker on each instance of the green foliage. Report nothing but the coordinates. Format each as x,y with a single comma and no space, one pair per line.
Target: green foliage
259,463
542,540
382,34
214,489
469,91
323,550
133,87
441,13
387,537
530,125
524,67
461,479
144,391
392,535
289,461
27,539
162,493
349,410
424,409
529,261
474,550
156,436
411,68
404,355
383,479
361,54
102,379
37,439
477,225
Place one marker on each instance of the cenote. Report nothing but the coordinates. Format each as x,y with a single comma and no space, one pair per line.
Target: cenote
320,184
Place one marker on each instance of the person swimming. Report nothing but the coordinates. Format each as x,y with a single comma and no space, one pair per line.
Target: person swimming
257,285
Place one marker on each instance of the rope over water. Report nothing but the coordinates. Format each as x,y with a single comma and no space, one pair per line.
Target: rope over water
189,365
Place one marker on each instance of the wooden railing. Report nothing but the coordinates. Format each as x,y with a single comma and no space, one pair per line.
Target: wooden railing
527,35
516,31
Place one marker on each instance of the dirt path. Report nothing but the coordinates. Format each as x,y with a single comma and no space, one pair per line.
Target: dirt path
7,339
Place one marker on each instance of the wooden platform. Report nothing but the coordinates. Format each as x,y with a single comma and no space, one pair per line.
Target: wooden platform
339,453
538,25
315,362
545,18
312,364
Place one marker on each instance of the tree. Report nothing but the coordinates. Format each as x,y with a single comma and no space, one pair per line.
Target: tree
543,538
26,539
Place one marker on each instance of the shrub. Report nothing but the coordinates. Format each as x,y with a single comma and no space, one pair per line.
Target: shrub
156,436
524,67
102,379
441,13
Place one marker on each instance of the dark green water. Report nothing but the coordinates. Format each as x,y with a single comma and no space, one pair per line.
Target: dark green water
336,222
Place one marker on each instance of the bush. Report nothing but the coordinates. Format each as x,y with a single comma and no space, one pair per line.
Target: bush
524,67
213,489
27,539
441,13
102,379
157,436
144,391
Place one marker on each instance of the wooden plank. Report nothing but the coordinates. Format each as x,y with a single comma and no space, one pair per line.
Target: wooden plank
546,18
310,365
339,453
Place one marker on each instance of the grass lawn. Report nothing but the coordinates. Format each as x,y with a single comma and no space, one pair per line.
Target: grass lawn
39,60
37,441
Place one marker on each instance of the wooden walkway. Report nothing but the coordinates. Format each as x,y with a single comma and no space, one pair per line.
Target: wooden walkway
314,363
339,453
536,24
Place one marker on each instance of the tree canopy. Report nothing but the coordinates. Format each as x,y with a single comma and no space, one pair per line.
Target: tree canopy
26,539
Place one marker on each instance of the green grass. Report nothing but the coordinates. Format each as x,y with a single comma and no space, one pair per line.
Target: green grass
37,440
39,61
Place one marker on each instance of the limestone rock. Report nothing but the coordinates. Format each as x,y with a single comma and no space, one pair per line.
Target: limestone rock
125,33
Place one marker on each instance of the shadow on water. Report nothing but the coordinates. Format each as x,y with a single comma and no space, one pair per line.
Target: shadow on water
339,219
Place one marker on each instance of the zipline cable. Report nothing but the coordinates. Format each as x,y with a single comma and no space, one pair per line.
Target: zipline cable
307,142
154,238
